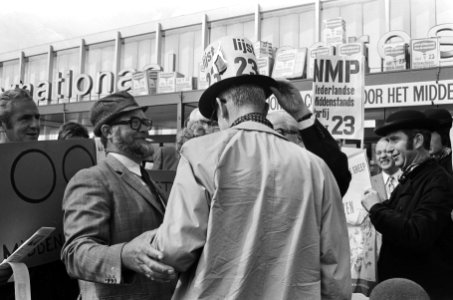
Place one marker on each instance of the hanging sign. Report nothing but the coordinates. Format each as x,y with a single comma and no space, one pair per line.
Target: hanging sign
338,93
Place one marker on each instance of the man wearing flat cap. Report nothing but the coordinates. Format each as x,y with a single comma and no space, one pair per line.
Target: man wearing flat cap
440,148
417,232
109,210
251,215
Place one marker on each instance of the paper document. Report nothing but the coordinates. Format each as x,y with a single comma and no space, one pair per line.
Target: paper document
27,247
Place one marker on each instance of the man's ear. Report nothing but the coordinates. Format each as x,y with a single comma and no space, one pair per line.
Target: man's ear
106,130
222,107
418,141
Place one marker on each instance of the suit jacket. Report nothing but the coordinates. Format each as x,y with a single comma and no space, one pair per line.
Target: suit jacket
105,207
165,158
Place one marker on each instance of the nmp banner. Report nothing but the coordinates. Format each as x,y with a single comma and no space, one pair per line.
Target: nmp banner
338,95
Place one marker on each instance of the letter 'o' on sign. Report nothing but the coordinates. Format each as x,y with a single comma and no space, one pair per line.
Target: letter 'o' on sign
33,176
75,159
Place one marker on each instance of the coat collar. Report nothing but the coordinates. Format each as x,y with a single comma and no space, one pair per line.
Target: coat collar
134,182
255,126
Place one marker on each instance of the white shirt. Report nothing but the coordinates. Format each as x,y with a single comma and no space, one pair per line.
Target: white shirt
127,162
386,177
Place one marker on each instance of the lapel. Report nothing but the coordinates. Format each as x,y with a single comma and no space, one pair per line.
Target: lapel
134,182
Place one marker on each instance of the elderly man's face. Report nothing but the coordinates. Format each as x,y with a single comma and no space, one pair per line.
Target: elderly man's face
285,127
129,141
24,122
383,157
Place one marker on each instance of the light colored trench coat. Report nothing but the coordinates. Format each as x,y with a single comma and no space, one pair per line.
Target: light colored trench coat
254,216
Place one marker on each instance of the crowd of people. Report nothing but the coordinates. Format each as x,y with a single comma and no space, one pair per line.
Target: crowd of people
255,210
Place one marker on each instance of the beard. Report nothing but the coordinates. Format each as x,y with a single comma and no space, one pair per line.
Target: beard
136,148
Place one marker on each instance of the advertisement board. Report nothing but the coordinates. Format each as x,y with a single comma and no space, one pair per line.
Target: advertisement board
33,176
338,92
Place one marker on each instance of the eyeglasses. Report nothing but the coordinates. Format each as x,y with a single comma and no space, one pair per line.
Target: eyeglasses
135,123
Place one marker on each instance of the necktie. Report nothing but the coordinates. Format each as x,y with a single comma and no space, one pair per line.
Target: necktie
390,185
152,188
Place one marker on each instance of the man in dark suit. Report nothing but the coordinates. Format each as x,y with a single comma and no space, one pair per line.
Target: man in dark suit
108,209
415,222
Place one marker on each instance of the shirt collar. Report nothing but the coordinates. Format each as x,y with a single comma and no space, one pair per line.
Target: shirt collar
395,175
127,162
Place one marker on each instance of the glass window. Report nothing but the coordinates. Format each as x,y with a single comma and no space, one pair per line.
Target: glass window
444,11
423,17
181,49
138,52
9,73
241,26
374,26
35,71
99,65
306,28
64,61
289,27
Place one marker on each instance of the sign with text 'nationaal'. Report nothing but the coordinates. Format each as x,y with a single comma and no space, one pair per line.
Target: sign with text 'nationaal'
33,176
338,91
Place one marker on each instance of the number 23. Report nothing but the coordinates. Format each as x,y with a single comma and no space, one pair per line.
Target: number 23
348,123
243,63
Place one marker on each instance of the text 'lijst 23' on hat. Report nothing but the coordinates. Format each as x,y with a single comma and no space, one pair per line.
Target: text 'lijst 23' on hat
227,62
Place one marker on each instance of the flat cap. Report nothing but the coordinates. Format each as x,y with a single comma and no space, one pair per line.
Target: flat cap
110,107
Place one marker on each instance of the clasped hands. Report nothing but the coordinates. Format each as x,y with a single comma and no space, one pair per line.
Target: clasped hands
138,255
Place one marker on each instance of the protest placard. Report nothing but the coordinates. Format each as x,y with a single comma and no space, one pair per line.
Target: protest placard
338,93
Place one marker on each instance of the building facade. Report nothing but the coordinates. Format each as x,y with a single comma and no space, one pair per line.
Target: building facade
66,76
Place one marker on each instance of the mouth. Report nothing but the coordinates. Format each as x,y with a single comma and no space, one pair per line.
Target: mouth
32,134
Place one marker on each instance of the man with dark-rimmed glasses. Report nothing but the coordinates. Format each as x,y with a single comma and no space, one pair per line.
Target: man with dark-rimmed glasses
107,209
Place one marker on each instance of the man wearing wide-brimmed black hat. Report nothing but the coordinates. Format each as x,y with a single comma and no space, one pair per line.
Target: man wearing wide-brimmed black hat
415,222
252,215
109,210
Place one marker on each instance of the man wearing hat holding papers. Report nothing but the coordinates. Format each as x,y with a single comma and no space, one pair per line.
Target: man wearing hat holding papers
417,232
251,215
109,210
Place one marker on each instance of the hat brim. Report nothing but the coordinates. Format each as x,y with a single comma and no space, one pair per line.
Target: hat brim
390,127
107,119
207,102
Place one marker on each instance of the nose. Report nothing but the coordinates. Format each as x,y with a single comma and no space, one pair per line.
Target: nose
35,123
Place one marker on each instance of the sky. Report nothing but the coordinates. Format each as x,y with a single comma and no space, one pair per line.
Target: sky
27,23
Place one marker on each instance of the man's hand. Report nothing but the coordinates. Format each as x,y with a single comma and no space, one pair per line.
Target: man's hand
138,255
289,98
370,198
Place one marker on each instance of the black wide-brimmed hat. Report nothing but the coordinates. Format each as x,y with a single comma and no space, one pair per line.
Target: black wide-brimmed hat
441,116
406,119
110,107
230,61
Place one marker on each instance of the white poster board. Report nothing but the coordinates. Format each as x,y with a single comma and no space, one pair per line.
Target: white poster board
338,94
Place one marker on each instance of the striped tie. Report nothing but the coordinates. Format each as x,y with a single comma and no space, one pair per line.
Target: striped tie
390,185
